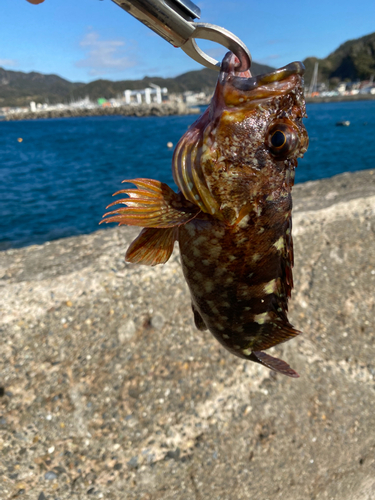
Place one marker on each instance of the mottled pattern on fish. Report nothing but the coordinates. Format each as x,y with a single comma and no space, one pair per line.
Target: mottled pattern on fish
232,218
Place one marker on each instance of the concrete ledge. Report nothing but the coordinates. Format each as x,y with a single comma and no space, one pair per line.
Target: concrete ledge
110,391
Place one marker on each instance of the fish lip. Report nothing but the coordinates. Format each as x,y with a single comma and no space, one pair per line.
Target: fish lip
247,84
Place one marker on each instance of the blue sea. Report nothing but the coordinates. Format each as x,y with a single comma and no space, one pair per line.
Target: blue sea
58,180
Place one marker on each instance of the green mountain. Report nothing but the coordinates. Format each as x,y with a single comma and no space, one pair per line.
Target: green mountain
353,60
18,88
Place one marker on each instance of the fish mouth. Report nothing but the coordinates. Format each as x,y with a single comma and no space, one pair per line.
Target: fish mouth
238,87
274,78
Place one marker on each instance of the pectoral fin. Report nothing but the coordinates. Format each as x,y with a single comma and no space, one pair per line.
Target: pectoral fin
277,365
152,246
154,204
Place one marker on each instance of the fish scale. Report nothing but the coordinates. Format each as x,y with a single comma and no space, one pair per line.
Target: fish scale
232,217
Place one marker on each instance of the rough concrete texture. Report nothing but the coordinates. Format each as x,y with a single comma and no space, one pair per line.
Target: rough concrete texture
110,392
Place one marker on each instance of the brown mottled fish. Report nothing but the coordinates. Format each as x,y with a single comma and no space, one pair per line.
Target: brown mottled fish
232,217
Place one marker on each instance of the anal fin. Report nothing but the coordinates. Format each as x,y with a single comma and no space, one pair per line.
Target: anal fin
275,364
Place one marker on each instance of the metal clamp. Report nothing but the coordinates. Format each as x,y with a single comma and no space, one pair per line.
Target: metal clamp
174,21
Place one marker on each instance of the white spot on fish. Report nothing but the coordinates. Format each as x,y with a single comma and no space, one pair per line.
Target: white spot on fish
212,306
206,262
247,352
232,258
219,271
279,245
190,228
196,252
187,262
219,233
208,286
270,287
243,222
200,239
215,251
261,318
256,257
225,336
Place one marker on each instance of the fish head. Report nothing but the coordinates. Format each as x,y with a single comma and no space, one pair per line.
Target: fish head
247,142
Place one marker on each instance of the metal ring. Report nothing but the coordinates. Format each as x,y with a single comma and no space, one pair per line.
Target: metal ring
219,35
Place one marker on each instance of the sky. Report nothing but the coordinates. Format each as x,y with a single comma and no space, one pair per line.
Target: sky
84,40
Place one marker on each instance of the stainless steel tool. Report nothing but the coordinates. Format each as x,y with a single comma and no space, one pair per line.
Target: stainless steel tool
174,20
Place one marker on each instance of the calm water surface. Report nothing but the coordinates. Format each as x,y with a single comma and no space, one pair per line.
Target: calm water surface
59,179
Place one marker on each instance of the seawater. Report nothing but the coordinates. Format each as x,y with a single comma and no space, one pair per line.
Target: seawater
59,179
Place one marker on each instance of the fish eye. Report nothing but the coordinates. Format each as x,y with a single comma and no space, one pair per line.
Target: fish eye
278,139
282,140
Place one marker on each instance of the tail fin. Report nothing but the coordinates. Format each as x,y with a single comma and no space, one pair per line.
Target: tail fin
157,208
277,365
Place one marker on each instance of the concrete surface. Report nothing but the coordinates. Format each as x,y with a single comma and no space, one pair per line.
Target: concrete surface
108,390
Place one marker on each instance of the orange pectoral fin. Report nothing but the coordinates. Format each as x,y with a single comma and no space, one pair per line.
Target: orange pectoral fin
152,246
153,204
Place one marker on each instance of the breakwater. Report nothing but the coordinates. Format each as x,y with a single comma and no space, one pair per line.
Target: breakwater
165,109
340,98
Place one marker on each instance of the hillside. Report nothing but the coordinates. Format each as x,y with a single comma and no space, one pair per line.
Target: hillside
353,60
18,88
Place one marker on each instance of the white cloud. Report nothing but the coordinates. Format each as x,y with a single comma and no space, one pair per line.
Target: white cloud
105,56
8,62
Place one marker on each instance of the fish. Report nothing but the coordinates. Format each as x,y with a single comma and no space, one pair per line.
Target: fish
234,168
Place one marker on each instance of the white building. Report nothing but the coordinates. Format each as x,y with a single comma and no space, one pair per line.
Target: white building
148,95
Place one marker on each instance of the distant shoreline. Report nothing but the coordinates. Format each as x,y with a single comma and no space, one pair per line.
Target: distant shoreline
340,98
167,109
